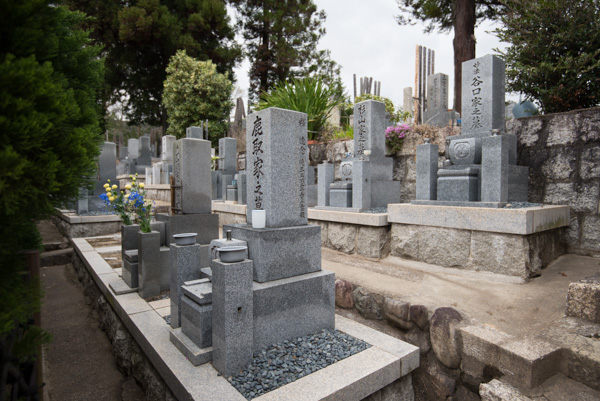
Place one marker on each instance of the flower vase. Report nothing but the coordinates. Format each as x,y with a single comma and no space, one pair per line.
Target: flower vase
149,264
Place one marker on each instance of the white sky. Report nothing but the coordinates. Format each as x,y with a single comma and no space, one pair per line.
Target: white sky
365,40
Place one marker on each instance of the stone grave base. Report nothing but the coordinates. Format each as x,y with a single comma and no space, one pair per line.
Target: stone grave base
72,225
386,366
515,242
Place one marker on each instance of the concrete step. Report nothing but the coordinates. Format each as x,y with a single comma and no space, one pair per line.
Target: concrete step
557,388
524,363
57,257
55,245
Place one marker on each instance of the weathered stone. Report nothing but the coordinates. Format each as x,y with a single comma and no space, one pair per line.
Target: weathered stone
445,338
544,247
590,164
342,237
443,384
444,246
399,390
571,233
583,299
581,197
368,305
527,130
560,165
373,242
344,298
464,394
397,313
590,233
590,125
405,241
563,129
420,315
498,391
324,226
419,338
499,253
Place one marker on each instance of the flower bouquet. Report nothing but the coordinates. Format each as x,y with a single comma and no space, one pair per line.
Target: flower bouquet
394,137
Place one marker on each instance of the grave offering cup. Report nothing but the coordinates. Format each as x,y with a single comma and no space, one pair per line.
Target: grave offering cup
232,254
259,218
185,239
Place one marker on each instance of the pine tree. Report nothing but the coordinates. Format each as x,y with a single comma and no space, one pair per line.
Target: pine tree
281,39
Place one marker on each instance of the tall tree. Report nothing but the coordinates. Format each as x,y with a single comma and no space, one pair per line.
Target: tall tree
462,15
49,138
140,37
281,39
565,74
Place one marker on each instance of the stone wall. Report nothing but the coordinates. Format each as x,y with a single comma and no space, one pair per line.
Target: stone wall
562,151
372,242
131,360
439,376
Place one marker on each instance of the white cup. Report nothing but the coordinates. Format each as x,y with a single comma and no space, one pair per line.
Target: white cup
259,218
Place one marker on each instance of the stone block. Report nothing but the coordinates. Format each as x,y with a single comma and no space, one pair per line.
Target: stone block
242,194
361,185
420,315
206,225
518,183
128,238
494,169
167,148
506,254
344,297
444,246
196,322
342,237
185,265
281,252
426,171
194,354
590,233
293,307
228,154
445,337
385,192
194,132
149,265
404,241
133,148
563,129
590,164
192,176
107,167
583,299
340,195
130,273
325,177
397,313
370,306
145,156
581,197
199,291
483,95
277,155
373,242
457,188
465,151
233,311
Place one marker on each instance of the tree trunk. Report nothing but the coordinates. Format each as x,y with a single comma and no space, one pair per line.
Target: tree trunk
464,43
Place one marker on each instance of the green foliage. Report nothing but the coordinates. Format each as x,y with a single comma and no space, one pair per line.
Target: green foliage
395,115
342,134
554,53
308,95
280,39
440,13
49,139
195,91
140,37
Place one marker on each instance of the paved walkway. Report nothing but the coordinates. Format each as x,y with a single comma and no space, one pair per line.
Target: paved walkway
79,363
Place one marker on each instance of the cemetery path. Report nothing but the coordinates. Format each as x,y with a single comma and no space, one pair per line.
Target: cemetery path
79,364
509,304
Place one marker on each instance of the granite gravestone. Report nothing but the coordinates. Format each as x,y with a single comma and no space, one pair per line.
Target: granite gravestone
133,148
277,163
192,181
167,148
437,101
145,157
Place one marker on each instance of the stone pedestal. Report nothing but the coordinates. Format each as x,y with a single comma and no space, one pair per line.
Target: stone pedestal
281,252
149,264
494,169
232,312
129,241
196,312
458,185
340,194
361,185
427,167
186,262
325,178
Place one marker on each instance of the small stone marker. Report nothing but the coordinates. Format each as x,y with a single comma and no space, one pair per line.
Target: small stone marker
133,148
167,148
192,179
193,132
227,154
277,164
145,157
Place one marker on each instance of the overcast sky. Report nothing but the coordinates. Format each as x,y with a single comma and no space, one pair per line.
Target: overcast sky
365,40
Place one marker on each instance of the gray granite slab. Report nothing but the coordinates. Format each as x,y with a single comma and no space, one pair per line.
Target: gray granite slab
196,355
427,168
325,178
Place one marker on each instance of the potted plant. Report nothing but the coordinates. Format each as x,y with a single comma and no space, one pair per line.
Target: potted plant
394,137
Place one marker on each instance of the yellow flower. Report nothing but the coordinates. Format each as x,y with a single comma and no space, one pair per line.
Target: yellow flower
127,186
111,198
108,189
114,186
142,185
133,179
106,185
126,196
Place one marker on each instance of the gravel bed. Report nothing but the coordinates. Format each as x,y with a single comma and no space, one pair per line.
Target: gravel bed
520,205
288,361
